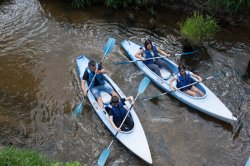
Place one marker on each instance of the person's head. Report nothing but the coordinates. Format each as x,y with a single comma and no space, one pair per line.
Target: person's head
182,69
148,44
114,100
92,65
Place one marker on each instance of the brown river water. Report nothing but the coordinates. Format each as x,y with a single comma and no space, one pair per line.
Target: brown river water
39,87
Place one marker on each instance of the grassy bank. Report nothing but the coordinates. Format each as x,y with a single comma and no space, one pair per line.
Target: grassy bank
10,156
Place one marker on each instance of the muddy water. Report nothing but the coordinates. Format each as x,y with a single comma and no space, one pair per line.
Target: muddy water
39,86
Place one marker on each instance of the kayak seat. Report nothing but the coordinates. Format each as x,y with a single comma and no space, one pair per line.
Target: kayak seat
106,98
165,73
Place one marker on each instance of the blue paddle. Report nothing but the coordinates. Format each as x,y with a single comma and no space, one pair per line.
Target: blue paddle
107,49
186,53
127,62
105,153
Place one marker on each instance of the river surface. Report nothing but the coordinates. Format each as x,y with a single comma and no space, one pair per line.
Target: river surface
39,87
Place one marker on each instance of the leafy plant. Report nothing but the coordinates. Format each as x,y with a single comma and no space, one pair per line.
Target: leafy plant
197,29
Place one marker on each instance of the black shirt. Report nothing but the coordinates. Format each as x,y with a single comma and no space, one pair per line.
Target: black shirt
86,76
110,111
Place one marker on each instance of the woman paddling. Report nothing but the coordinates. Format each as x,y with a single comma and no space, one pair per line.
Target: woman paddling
184,78
150,51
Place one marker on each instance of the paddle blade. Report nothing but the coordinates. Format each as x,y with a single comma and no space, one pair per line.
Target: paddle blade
109,46
104,156
186,53
143,85
78,108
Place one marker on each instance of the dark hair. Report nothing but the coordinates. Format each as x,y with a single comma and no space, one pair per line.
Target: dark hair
114,99
147,42
91,63
181,66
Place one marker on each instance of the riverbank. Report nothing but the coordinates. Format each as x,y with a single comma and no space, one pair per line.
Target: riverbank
220,10
223,17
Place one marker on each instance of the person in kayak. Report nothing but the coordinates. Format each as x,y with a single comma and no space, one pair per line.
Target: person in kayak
117,114
99,84
150,51
183,79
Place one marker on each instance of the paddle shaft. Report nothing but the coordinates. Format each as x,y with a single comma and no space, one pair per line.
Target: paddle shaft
147,59
124,120
176,89
126,62
186,53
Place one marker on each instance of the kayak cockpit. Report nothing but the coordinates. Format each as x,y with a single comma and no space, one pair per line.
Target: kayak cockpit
198,86
106,99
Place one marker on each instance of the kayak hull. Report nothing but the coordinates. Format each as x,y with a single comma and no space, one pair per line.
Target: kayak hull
209,104
135,140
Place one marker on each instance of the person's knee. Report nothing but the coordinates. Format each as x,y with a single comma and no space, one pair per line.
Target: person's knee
99,99
191,93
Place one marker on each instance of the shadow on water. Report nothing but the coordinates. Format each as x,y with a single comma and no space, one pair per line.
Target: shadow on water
194,61
16,99
246,76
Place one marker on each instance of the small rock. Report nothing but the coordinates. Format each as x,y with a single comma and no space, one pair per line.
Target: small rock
224,93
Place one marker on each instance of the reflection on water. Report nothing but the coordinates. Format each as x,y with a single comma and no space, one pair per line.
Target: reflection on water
39,86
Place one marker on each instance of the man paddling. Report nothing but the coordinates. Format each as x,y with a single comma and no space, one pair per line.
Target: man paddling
117,114
99,84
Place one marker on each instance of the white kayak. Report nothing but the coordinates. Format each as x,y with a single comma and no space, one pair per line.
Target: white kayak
135,140
248,162
209,104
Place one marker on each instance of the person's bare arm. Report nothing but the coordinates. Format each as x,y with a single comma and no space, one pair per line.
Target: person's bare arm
130,98
139,53
196,76
163,52
171,84
83,88
102,71
113,124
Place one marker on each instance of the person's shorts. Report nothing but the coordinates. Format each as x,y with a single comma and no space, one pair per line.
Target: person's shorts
97,90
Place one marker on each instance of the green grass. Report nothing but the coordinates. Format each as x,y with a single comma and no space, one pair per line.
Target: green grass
10,156
232,6
197,29
16,157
